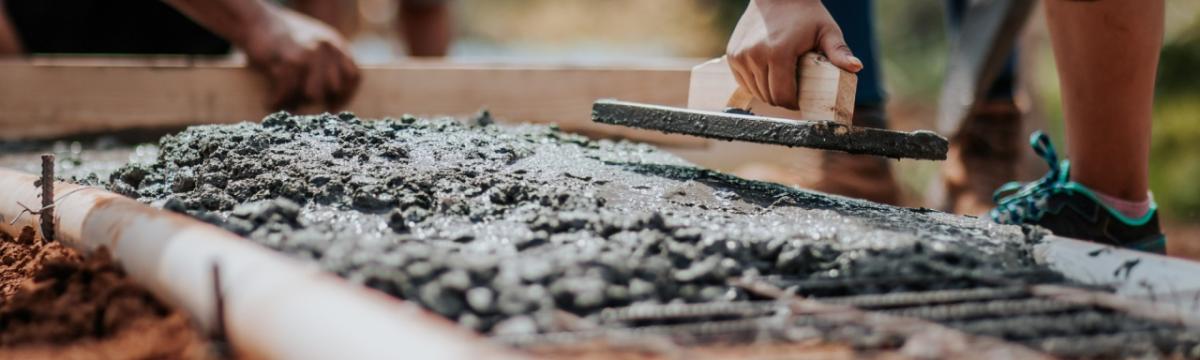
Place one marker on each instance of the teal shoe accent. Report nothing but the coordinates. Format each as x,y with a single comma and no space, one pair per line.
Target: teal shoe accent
1018,203
1071,209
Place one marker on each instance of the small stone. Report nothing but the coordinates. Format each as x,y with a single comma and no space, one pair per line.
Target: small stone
394,151
470,321
689,234
175,205
397,222
517,325
699,269
512,302
534,270
456,279
617,293
484,118
641,289
420,269
372,198
441,300
481,300
183,183
280,119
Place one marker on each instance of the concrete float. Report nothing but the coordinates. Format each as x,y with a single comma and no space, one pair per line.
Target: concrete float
273,307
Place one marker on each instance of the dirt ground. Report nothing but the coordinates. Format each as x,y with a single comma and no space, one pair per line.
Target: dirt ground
56,303
1183,240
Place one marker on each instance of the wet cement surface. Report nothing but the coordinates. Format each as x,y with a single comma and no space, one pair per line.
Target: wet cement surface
826,135
504,227
77,159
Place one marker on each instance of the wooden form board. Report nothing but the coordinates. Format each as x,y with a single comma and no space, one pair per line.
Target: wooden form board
826,92
49,97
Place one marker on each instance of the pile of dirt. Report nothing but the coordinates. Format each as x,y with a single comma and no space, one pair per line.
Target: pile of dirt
23,256
504,228
58,304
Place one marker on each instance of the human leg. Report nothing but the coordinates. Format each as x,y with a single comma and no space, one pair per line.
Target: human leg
1107,56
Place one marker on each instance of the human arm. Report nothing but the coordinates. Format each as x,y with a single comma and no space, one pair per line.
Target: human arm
305,60
10,44
770,37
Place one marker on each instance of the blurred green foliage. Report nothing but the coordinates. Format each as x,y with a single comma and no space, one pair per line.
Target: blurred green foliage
912,38
1175,151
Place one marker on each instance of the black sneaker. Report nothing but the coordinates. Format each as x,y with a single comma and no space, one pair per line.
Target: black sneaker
1070,209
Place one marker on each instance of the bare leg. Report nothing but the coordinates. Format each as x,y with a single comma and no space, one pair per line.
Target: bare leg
425,26
1107,56
10,44
328,11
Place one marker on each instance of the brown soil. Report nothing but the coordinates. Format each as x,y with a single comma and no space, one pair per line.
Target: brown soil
22,257
58,304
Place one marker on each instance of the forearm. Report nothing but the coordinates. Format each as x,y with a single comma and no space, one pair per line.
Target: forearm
10,43
234,20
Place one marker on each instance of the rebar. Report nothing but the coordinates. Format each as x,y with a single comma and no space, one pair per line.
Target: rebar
907,299
685,311
1119,345
707,330
996,308
1041,326
47,185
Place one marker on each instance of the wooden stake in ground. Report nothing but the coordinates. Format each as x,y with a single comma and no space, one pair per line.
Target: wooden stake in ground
47,185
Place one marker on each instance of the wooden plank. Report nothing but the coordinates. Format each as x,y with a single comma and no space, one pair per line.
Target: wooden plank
51,97
826,92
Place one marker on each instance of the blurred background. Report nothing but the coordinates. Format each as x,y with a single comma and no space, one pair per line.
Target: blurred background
913,43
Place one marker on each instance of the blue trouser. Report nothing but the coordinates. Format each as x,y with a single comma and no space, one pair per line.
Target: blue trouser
856,18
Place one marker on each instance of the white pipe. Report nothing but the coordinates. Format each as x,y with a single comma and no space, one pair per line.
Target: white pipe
1170,284
275,307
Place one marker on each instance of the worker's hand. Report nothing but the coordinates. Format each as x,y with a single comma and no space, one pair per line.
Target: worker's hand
769,39
306,61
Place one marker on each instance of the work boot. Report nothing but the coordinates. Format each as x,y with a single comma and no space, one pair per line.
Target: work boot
1070,209
859,176
983,155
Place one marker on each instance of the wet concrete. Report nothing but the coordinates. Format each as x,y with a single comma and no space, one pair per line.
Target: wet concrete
77,159
826,135
503,227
